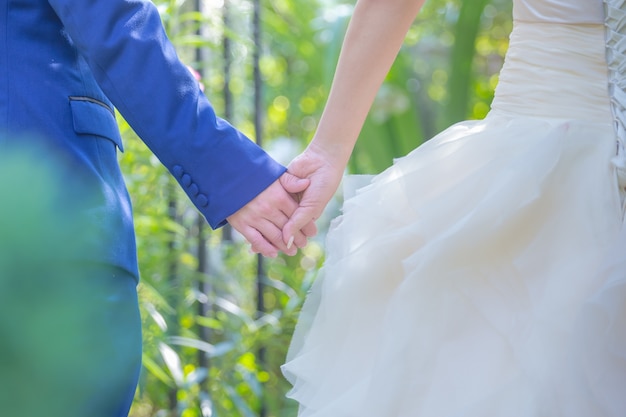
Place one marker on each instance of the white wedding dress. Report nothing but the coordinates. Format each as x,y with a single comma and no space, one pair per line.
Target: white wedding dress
484,274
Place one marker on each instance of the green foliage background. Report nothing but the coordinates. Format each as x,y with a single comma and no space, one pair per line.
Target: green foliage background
208,351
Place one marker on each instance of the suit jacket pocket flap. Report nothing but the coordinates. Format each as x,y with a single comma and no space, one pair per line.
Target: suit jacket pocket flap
93,117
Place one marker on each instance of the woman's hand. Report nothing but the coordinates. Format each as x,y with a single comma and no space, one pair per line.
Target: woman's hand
324,174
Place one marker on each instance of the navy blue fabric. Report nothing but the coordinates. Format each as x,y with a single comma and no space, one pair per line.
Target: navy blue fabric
66,64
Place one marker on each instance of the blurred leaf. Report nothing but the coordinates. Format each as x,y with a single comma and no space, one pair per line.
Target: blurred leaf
206,405
156,316
235,310
195,377
156,370
240,403
172,361
251,380
209,322
216,350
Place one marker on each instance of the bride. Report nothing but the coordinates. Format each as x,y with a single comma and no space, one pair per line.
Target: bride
482,274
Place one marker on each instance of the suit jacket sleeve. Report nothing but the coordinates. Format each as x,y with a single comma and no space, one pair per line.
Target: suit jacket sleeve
126,47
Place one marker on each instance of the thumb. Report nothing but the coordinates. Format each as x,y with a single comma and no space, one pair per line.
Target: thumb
293,184
298,220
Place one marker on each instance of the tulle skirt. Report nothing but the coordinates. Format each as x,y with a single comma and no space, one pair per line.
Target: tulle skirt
484,274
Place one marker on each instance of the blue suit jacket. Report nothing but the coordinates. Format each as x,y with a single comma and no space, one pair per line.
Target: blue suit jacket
64,66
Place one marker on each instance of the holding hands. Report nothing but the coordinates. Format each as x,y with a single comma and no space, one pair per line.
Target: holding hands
373,39
261,221
283,216
324,176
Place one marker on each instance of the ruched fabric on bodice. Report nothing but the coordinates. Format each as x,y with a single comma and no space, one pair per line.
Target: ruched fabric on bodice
542,59
560,43
559,11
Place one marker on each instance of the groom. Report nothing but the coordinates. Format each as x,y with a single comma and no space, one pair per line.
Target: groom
65,65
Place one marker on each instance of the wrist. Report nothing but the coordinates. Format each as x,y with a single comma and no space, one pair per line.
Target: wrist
333,152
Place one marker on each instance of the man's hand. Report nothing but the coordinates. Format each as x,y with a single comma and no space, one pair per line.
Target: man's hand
324,177
261,220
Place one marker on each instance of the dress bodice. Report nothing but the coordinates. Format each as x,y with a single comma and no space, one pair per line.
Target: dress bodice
559,11
609,13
